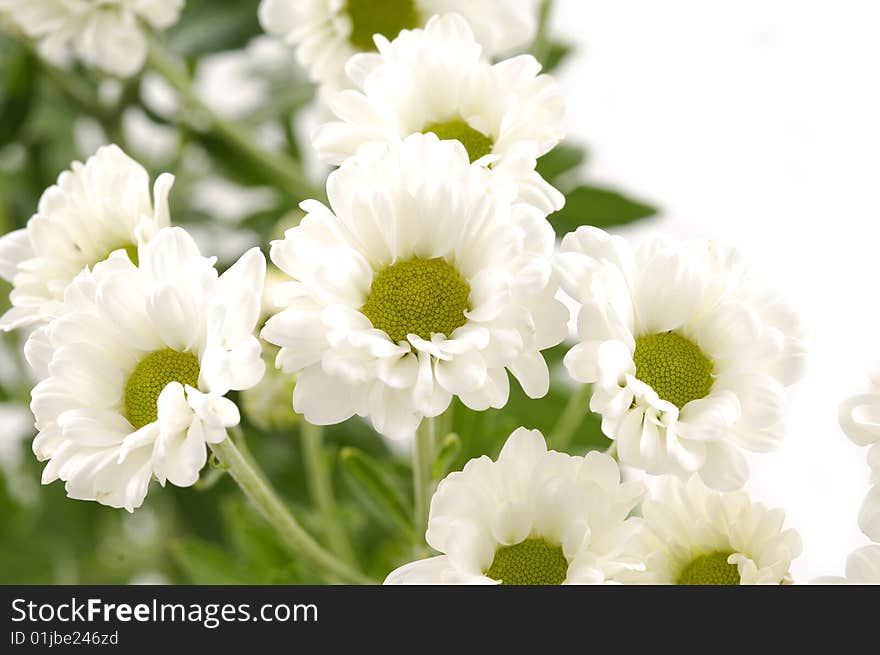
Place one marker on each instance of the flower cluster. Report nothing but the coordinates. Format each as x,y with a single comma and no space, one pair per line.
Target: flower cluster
539,517
431,273
139,338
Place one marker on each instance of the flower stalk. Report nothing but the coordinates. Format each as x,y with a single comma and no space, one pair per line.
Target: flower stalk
570,419
423,478
321,489
541,45
260,492
284,171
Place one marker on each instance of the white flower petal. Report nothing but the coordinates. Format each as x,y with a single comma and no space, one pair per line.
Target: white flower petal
725,469
434,570
321,398
215,411
860,418
532,373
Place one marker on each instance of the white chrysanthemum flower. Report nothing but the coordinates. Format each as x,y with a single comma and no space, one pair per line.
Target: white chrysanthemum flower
691,535
862,567
136,367
860,420
426,280
327,32
534,517
95,208
436,80
688,353
106,34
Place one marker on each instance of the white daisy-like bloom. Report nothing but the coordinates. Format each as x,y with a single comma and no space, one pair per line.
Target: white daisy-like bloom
105,34
691,535
860,420
94,209
137,365
436,80
862,567
427,279
534,517
688,353
326,33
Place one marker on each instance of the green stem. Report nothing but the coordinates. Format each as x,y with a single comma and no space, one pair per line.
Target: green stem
541,45
260,492
76,92
570,419
321,489
82,96
284,171
423,477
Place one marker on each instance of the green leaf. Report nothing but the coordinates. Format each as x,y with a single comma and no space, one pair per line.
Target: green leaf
208,26
557,52
447,452
560,161
591,205
205,563
17,94
374,489
257,542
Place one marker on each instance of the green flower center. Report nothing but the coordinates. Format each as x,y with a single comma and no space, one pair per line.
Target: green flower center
711,569
150,377
674,367
417,296
385,17
475,142
130,249
530,562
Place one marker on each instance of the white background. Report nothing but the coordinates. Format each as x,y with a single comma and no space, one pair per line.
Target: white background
757,123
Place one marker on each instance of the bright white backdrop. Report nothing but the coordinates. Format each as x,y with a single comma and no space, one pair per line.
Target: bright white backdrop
757,123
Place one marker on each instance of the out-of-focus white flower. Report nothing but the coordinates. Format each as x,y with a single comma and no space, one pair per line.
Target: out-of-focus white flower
137,365
426,280
694,536
250,71
534,517
862,567
688,352
327,32
436,80
106,34
229,202
150,141
95,209
860,420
